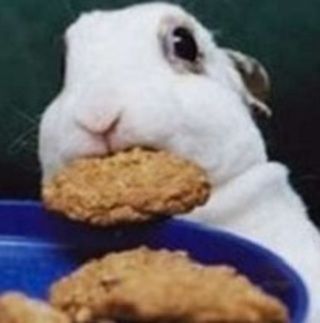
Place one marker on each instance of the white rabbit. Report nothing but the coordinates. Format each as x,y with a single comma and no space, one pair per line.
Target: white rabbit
152,75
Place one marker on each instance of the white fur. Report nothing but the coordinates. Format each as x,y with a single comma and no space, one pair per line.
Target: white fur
120,91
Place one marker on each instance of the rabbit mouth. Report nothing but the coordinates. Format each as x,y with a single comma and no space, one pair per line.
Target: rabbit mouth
115,141
112,136
109,134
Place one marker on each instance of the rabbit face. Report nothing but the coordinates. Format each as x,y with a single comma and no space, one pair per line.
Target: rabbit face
149,75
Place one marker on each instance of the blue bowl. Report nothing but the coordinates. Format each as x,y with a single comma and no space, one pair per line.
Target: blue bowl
36,248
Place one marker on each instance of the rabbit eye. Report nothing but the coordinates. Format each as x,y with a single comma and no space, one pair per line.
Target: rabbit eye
180,48
184,44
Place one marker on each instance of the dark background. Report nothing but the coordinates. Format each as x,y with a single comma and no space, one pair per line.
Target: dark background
284,35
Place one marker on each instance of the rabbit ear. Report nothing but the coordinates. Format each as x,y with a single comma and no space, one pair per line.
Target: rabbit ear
255,77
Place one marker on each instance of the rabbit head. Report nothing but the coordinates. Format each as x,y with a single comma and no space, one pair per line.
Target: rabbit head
151,75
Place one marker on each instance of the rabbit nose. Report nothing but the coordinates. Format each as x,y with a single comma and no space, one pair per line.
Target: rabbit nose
102,132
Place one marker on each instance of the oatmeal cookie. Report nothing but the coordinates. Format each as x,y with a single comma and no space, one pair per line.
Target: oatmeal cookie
129,186
18,308
144,285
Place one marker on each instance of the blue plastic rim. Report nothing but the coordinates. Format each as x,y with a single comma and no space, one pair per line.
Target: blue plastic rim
36,248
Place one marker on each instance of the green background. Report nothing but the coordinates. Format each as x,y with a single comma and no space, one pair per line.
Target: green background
283,34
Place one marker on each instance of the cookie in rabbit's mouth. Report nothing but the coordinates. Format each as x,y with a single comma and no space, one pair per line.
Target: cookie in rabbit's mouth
135,185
